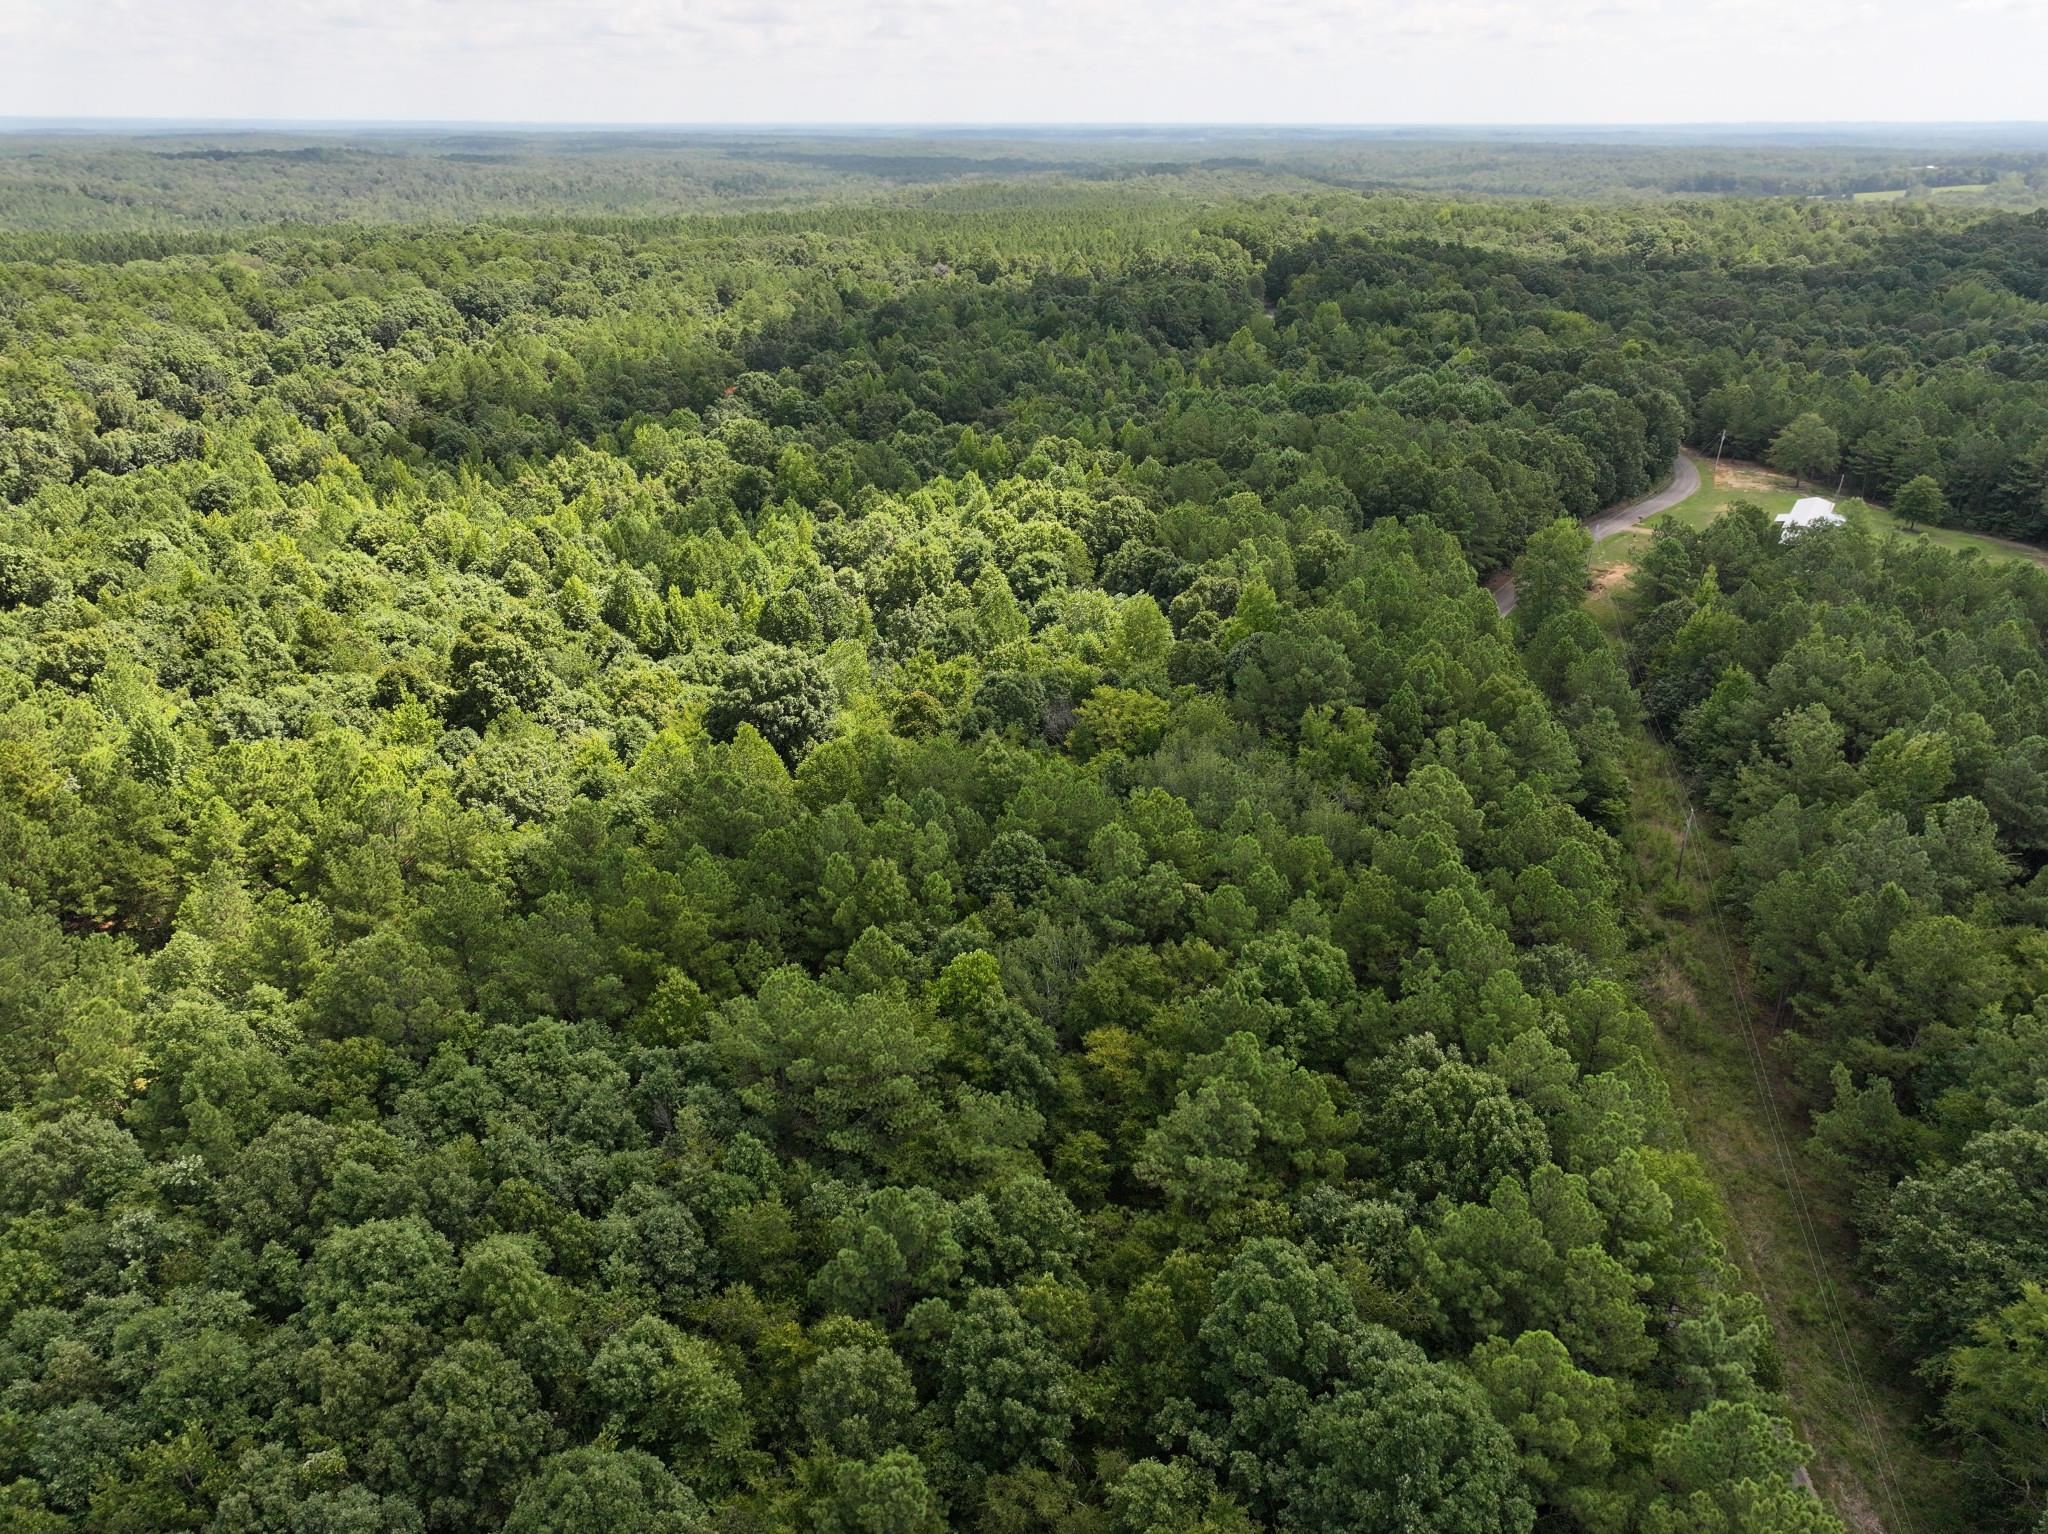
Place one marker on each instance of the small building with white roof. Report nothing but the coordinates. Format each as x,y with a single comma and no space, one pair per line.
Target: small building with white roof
1807,511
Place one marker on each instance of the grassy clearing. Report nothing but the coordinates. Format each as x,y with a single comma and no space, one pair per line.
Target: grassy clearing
1898,193
1745,482
1948,537
1776,492
1783,1224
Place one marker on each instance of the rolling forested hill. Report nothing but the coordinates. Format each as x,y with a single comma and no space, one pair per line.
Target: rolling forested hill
879,868
120,177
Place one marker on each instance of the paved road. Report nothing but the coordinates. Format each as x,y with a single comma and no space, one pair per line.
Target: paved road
1684,480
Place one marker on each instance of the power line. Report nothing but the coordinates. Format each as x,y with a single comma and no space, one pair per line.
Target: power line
1816,1258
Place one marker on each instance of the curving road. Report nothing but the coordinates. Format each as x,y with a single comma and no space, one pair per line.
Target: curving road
1685,479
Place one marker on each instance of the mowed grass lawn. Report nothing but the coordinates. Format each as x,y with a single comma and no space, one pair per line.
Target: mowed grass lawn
1775,493
1735,482
1949,538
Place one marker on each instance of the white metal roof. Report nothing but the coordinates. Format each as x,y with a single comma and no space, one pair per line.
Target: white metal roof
1807,511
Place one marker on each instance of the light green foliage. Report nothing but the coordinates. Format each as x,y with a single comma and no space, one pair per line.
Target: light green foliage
1551,575
1564,1421
1920,501
1729,1468
1998,1393
669,1392
1412,1449
1245,1120
1807,448
595,1488
858,1400
888,1495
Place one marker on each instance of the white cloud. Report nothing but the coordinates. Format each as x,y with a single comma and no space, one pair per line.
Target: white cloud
1008,61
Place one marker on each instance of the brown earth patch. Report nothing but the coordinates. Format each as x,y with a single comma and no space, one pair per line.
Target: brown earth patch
1852,1503
1750,476
1612,576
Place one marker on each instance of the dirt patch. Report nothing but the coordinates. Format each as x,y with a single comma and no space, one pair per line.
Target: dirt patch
1612,576
1670,985
1850,1502
1750,476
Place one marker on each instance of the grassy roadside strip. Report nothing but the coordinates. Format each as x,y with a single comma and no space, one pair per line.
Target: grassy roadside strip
1785,1230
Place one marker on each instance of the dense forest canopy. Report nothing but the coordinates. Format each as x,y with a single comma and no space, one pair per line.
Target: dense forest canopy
191,177
879,867
1917,339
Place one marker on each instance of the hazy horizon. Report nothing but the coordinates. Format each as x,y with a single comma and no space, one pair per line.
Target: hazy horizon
1135,126
782,63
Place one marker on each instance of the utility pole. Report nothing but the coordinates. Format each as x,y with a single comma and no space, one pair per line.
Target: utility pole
1684,836
1717,451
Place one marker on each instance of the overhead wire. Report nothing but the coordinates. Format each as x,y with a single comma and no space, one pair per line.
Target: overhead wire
1836,1324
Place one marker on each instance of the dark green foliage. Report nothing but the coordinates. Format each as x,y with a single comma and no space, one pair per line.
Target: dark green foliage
492,672
779,693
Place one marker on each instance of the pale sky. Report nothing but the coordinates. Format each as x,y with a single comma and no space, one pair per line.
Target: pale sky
967,61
